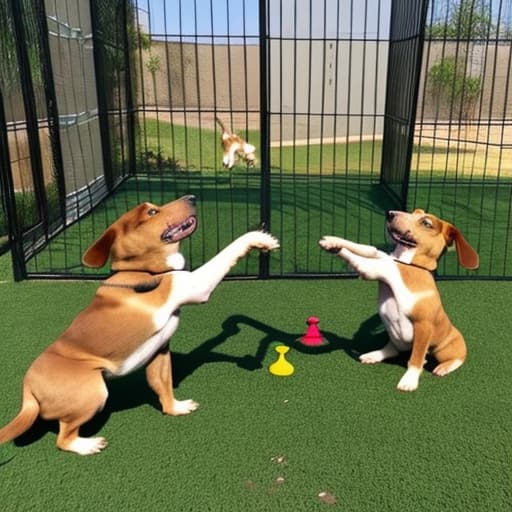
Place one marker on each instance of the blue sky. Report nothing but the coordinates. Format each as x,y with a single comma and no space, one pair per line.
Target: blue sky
202,17
336,19
328,18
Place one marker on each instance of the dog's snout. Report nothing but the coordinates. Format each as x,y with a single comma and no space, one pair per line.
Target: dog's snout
191,198
390,215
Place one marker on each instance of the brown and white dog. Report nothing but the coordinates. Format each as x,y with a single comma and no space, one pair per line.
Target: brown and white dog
234,146
409,301
128,323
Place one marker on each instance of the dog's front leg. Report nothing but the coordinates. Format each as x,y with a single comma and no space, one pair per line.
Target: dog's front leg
196,287
335,244
159,377
422,338
371,268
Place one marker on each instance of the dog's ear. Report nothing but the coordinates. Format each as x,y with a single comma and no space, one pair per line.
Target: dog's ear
468,257
97,254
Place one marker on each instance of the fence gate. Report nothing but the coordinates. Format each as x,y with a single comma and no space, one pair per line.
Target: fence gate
109,103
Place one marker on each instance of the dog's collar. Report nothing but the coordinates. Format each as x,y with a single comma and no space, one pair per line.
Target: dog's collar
414,265
142,287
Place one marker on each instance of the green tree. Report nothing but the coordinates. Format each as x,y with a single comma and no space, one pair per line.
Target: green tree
464,19
452,89
450,85
153,65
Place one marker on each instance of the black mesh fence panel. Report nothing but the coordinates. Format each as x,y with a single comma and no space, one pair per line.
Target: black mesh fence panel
327,68
461,165
349,107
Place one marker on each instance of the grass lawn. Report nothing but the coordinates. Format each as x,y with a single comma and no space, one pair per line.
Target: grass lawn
200,149
303,210
264,443
336,435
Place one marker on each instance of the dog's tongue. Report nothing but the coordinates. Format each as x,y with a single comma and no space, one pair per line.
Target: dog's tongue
178,232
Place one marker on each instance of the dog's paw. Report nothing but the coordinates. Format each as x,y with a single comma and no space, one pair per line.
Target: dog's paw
331,243
182,407
372,357
377,356
86,445
262,240
447,367
409,381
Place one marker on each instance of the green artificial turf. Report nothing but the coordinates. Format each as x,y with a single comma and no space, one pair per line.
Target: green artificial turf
193,148
302,210
265,443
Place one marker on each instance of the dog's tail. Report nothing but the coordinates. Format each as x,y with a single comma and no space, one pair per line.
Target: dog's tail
221,124
24,420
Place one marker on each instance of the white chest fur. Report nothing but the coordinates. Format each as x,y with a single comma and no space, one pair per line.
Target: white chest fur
396,305
395,318
148,348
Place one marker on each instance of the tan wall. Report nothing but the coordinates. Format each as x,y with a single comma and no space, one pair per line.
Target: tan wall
186,78
336,99
201,76
21,160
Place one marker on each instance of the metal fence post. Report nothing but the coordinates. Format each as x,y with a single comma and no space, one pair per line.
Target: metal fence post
53,113
130,110
404,69
264,270
30,112
99,67
15,243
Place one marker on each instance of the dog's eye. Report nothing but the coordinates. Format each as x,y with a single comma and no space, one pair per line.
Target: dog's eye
427,223
152,211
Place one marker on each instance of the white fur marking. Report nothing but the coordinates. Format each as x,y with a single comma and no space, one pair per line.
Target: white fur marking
404,254
443,370
395,318
229,159
196,287
249,148
87,445
176,261
410,379
376,356
182,407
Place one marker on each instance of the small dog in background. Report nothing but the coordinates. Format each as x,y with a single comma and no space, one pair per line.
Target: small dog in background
234,146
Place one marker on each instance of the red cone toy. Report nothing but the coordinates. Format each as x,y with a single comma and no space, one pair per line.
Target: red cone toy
313,335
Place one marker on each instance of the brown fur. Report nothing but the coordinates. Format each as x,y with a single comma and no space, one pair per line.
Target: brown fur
234,146
409,301
128,323
65,382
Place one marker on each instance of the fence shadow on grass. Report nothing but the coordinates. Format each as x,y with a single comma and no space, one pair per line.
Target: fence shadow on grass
133,391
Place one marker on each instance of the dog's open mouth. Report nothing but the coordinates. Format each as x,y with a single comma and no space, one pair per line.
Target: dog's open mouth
402,238
178,232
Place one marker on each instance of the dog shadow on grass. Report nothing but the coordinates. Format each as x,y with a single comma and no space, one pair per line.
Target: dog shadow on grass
133,391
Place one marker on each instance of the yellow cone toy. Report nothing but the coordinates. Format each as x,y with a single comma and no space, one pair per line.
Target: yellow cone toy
281,368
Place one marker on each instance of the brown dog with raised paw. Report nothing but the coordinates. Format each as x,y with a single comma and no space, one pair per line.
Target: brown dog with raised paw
409,301
128,323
